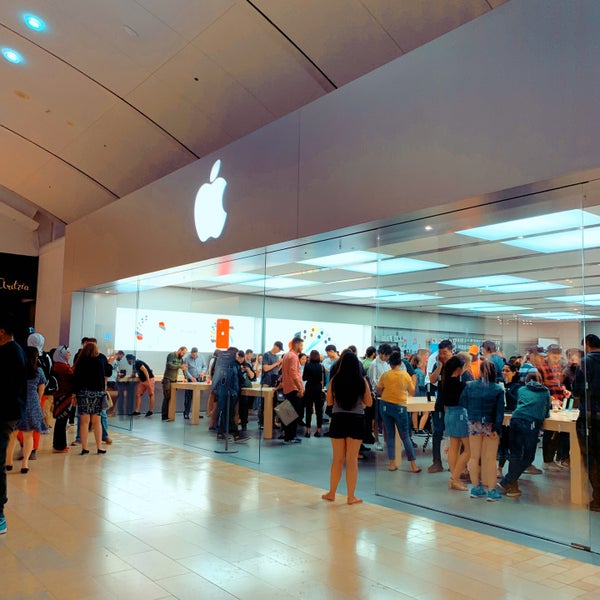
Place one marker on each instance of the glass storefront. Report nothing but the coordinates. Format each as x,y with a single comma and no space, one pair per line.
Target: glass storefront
519,273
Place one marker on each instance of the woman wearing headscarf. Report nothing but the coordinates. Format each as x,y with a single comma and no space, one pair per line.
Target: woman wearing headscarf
32,418
63,398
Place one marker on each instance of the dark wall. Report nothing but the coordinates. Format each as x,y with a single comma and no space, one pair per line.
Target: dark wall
18,289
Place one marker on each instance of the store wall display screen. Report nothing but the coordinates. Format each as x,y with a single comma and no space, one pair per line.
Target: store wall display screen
165,331
317,334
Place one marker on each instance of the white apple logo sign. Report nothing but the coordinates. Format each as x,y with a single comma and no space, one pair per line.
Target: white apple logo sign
209,214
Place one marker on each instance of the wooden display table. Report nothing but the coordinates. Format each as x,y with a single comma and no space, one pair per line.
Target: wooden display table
257,391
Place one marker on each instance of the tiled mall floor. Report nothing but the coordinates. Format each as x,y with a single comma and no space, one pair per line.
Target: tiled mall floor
150,520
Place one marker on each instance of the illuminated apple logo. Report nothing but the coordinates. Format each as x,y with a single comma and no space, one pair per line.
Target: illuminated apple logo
209,214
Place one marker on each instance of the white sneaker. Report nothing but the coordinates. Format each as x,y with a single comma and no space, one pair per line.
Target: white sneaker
379,446
551,466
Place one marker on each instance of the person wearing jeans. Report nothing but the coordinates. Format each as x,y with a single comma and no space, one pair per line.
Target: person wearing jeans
444,354
393,387
533,406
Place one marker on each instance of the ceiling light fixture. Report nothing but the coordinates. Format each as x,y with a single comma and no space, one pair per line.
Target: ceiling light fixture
566,219
12,56
344,258
394,266
34,22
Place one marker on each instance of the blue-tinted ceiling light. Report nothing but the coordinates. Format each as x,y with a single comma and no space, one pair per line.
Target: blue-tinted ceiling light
34,22
12,56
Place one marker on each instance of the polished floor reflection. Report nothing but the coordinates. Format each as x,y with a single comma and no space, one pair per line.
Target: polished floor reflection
151,520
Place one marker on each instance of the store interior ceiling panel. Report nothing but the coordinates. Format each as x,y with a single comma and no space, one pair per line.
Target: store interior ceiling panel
114,94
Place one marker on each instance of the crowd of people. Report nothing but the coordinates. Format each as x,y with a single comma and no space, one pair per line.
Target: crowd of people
364,401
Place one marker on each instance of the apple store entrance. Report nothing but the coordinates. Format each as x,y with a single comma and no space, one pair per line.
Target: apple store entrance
520,273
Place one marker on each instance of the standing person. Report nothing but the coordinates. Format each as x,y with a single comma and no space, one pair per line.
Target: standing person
32,418
490,352
588,423
12,396
394,387
369,357
455,420
90,386
555,445
314,376
271,370
348,394
377,368
419,362
173,364
63,399
226,383
533,406
484,401
195,371
293,388
248,376
145,384
475,360
512,385
37,341
444,354
330,360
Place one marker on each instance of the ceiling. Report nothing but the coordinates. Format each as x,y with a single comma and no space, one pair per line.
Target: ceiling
113,95
528,255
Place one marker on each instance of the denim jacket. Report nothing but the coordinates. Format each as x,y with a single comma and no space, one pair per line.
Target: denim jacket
484,403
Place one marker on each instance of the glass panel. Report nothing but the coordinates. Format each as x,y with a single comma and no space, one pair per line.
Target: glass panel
93,315
224,305
495,281
588,424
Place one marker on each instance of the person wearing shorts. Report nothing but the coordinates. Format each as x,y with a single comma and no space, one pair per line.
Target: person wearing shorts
145,384
348,393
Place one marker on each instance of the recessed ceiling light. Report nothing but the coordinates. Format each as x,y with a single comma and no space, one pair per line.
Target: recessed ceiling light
34,22
560,242
484,307
281,283
589,299
566,219
402,297
428,227
12,56
485,281
366,293
532,286
505,284
394,266
385,295
232,278
344,258
558,316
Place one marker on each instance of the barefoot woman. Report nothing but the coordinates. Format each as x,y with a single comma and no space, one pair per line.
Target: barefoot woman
348,394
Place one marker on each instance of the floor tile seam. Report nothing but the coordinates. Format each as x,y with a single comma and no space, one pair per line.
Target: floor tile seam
374,500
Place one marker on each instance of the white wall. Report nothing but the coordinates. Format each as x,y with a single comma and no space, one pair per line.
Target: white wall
50,292
16,239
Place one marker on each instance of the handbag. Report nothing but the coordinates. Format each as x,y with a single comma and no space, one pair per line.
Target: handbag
286,412
62,406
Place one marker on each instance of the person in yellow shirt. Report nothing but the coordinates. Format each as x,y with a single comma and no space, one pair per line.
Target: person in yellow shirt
393,388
